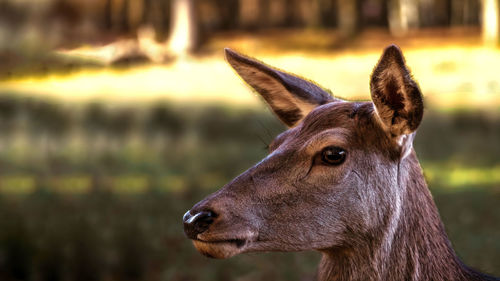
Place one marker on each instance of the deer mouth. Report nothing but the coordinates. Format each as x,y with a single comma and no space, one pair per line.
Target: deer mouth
221,248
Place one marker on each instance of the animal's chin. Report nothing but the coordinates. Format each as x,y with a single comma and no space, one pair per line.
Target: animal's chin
222,249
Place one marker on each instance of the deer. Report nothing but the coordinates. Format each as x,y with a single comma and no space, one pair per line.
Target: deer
343,179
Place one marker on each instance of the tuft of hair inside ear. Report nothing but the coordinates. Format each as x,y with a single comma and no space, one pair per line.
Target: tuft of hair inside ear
395,95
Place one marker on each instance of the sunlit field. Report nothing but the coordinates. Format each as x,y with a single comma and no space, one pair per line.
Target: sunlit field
98,164
453,73
450,77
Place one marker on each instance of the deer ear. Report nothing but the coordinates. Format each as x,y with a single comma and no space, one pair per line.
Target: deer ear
290,97
396,95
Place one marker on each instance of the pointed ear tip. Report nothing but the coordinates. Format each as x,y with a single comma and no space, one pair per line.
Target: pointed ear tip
393,50
230,54
233,57
393,53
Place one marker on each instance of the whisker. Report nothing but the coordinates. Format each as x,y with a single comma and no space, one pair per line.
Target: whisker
266,144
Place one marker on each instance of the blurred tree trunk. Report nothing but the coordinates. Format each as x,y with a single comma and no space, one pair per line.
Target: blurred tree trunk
289,13
146,12
464,12
309,12
108,15
125,26
264,11
327,13
228,11
116,15
403,16
160,17
250,14
184,33
491,22
348,20
135,14
277,13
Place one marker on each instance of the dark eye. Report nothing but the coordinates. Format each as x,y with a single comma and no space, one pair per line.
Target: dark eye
333,155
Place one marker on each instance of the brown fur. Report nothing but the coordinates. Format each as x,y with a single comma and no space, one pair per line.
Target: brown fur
372,217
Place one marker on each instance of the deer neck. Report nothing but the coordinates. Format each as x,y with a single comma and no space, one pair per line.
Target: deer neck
416,248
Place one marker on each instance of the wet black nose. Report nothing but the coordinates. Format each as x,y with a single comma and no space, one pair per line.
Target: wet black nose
197,223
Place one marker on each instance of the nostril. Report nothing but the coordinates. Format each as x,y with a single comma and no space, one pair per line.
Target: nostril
186,216
202,217
205,216
197,223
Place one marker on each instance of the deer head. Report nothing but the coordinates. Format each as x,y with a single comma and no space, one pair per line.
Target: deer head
332,180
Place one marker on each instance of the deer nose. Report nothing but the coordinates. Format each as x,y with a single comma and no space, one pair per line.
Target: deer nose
197,223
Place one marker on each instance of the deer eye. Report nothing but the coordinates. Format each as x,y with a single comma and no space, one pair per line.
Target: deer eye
333,155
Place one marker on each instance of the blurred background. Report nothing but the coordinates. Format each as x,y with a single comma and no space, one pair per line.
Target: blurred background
116,116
